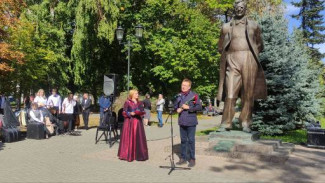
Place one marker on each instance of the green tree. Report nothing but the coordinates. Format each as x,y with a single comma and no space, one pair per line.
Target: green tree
33,73
312,24
223,7
292,83
53,26
95,21
179,42
9,55
42,37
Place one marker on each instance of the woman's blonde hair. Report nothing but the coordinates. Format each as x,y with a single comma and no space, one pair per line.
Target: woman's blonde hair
39,91
131,93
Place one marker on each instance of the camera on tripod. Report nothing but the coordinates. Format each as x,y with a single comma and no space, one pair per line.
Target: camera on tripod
170,106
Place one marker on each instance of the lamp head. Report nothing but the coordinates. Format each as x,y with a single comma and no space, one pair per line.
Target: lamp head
119,33
139,31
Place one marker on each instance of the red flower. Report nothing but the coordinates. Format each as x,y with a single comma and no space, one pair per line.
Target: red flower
195,98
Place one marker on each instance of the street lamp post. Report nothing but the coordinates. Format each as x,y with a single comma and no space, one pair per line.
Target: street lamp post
119,36
18,97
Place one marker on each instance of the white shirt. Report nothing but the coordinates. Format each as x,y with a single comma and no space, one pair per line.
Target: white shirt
68,106
54,101
160,105
41,101
32,115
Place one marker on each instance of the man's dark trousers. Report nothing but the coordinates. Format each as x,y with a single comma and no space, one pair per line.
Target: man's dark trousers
85,116
187,140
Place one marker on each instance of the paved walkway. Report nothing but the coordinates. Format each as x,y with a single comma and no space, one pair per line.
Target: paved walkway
78,159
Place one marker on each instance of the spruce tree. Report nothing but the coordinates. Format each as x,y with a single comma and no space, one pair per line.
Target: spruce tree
292,84
312,24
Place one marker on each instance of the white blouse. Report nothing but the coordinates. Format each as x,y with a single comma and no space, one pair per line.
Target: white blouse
68,105
41,101
54,100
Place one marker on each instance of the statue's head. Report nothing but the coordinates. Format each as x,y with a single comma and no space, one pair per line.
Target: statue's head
240,8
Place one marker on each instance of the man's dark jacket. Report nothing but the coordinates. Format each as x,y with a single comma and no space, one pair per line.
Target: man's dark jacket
188,117
86,105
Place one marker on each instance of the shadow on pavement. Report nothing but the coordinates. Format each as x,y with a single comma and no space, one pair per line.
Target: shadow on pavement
1,146
304,165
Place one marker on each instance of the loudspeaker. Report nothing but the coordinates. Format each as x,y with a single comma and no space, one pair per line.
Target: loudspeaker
110,84
316,137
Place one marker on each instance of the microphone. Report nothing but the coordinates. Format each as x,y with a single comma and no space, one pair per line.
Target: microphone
177,95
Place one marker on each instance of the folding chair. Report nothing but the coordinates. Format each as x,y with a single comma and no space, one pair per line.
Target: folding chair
107,126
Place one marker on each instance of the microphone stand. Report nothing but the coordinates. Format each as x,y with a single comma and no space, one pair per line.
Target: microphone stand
172,166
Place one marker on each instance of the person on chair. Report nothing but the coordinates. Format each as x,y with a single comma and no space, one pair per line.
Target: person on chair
186,105
86,104
36,116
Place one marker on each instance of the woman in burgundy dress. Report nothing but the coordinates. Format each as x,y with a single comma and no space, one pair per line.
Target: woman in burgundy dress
133,143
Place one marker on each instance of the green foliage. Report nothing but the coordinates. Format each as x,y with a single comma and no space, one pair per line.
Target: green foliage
295,137
96,22
222,5
292,83
322,122
43,43
206,132
312,24
179,42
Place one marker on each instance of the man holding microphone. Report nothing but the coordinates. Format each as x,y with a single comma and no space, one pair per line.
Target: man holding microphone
187,104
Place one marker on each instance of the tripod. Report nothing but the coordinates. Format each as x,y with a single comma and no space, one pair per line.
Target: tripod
172,166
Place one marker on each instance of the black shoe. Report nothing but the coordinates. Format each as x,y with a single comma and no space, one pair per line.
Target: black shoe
181,162
192,163
228,129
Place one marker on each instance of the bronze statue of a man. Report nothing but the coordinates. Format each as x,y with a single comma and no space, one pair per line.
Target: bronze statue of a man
240,71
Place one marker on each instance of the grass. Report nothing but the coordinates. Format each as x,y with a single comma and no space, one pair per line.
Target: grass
295,136
322,122
206,132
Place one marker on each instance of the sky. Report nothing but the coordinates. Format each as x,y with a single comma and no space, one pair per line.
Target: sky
293,23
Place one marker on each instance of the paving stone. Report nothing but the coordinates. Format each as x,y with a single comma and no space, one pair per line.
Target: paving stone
78,159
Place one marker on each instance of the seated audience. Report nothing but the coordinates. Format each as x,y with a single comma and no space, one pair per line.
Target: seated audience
36,116
210,109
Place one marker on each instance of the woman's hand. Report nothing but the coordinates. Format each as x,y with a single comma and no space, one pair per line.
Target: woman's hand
132,113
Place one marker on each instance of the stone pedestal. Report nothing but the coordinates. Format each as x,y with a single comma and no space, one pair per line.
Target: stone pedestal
238,144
